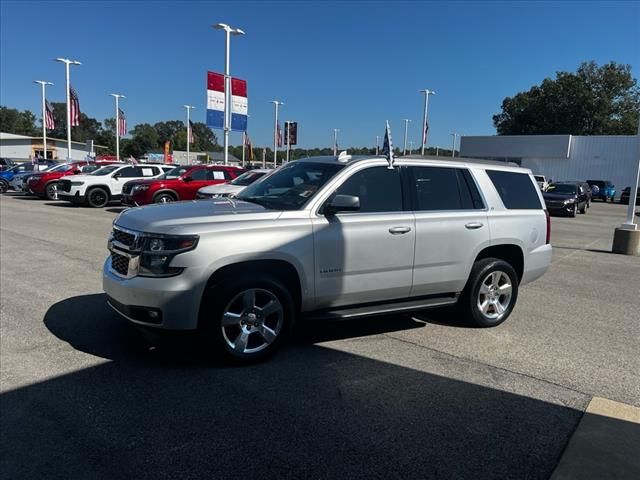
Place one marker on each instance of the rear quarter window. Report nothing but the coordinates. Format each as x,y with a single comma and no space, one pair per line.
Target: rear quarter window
516,190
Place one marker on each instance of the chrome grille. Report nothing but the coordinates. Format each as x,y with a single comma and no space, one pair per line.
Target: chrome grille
120,263
64,185
124,238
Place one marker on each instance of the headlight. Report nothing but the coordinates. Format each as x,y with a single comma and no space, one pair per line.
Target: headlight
569,200
77,184
159,250
139,188
200,195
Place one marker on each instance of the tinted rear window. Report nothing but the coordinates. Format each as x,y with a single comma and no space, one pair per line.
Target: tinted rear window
516,190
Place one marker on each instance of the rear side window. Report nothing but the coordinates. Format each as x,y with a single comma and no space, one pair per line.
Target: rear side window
441,188
516,190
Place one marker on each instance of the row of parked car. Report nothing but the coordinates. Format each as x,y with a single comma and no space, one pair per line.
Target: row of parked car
571,197
95,184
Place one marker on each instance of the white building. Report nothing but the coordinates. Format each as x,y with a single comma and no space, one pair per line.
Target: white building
22,147
563,157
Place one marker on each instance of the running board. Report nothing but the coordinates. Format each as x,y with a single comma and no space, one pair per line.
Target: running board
356,311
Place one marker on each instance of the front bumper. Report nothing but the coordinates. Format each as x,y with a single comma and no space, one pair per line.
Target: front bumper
175,299
71,197
561,209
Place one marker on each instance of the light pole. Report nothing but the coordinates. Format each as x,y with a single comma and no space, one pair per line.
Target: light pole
68,62
227,83
335,141
406,129
117,97
410,147
189,133
276,104
377,144
437,150
426,92
453,145
44,115
287,126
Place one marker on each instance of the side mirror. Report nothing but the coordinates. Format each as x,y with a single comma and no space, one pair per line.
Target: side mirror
342,203
188,179
117,175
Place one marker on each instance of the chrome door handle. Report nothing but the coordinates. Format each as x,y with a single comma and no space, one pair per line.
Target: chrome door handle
399,230
474,225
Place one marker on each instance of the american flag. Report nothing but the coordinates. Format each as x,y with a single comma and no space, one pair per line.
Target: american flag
49,121
190,132
122,123
387,147
75,108
279,136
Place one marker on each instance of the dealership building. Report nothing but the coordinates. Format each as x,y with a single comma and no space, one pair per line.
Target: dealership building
23,147
563,157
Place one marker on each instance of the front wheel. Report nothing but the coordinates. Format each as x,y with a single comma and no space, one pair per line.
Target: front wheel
247,320
491,292
583,210
574,211
164,198
4,186
97,197
51,191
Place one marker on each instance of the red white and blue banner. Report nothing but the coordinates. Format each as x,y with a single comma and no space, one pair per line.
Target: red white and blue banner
216,101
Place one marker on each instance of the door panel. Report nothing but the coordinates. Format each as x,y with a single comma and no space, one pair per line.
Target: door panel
358,259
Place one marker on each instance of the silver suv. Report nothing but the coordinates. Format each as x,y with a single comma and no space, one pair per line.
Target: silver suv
332,238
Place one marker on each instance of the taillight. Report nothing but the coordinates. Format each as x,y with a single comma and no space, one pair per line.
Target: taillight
546,213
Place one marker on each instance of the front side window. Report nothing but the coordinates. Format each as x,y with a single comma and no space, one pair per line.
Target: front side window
516,190
378,188
199,174
175,173
105,170
130,172
291,186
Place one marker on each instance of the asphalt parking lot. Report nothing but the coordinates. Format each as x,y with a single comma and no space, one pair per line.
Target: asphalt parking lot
82,396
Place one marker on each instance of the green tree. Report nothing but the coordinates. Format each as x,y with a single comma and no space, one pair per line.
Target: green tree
144,138
592,101
18,122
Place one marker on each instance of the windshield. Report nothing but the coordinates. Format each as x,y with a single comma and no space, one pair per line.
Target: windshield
562,188
538,178
174,173
598,183
247,178
64,167
105,170
290,187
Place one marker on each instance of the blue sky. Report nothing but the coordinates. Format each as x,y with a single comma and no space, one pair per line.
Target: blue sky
347,65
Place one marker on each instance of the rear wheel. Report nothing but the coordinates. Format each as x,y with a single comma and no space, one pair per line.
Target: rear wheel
97,197
51,191
4,186
164,198
247,320
491,292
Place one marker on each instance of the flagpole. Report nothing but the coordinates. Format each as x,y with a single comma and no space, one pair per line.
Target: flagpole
68,62
335,141
189,132
426,92
406,128
287,126
453,146
44,114
244,143
377,144
264,157
117,97
276,104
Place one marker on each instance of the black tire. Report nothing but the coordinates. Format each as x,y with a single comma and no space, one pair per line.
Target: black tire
583,210
164,197
470,298
51,191
97,197
574,212
4,186
228,296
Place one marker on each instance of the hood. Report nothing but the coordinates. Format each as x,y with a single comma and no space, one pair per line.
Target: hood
192,216
80,178
558,196
223,188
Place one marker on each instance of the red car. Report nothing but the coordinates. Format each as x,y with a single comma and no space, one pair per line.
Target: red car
45,184
181,183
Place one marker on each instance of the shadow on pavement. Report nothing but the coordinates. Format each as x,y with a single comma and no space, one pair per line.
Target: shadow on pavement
311,412
116,209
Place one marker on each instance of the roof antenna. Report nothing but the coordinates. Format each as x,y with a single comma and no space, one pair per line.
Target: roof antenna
387,147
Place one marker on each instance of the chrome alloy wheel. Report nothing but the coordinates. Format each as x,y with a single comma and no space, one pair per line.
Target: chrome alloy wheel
494,296
252,321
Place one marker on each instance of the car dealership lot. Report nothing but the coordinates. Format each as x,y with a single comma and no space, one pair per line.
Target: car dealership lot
390,397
